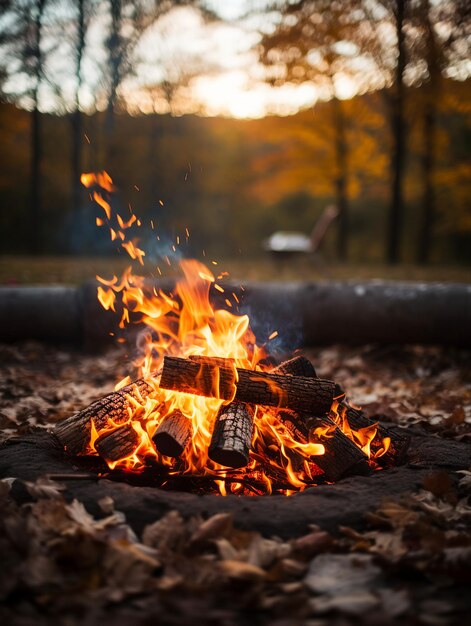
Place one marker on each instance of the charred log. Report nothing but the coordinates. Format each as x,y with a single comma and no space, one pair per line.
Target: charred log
396,454
342,457
117,444
173,434
232,435
74,432
217,361
310,395
297,366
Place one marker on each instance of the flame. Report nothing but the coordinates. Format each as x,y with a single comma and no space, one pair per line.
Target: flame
185,324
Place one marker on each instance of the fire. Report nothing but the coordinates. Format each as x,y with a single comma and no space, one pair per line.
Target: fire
186,324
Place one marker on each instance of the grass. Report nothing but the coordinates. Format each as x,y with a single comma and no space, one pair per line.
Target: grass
23,270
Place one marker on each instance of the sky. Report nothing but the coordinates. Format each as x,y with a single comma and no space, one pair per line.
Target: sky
234,84
215,60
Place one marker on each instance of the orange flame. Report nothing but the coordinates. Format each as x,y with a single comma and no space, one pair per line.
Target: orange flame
184,323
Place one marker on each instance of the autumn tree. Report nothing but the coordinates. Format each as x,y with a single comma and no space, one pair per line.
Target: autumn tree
313,42
440,47
23,44
81,19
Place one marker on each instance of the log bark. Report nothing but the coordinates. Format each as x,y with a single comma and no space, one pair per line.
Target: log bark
173,434
117,444
297,366
74,432
232,435
310,395
397,452
342,457
216,361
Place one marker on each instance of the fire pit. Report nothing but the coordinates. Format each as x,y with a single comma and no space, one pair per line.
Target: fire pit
210,407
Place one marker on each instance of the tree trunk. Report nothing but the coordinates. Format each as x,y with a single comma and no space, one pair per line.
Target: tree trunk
341,166
35,218
428,166
396,211
77,132
432,94
115,60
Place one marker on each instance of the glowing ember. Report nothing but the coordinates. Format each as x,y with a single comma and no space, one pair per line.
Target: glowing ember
185,324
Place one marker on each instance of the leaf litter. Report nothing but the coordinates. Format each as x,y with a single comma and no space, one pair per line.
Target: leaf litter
409,564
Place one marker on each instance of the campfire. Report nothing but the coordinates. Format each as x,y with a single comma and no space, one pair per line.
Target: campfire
209,405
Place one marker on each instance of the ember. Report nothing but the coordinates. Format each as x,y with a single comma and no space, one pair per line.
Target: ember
207,402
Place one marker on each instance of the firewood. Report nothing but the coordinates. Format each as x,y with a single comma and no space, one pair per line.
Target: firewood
397,451
173,434
217,361
342,457
297,366
232,435
310,395
74,432
117,444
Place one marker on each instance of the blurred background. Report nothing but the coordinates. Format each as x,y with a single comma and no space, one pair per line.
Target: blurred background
238,119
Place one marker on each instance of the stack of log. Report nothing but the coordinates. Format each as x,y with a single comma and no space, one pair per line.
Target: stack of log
291,393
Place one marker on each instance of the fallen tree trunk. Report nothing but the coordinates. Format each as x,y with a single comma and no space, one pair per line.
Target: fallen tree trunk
74,432
297,393
319,313
173,434
117,444
232,435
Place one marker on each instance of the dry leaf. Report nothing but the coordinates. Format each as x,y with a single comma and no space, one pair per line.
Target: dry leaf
44,488
213,527
263,552
357,602
341,573
168,533
241,571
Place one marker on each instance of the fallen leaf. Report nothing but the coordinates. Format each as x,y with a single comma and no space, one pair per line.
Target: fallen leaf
213,527
240,570
341,573
44,488
355,603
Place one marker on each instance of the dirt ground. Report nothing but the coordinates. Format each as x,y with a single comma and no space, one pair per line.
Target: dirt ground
410,563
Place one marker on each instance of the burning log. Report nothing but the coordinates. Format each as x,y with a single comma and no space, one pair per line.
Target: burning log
297,366
309,395
117,444
232,435
74,432
399,442
342,457
173,434
218,361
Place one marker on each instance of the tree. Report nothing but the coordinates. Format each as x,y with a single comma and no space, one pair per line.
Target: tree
34,62
314,41
441,43
76,117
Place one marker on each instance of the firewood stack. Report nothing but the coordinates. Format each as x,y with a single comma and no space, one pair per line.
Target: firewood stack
291,393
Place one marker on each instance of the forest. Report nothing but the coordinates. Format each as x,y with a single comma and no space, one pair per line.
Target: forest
395,157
